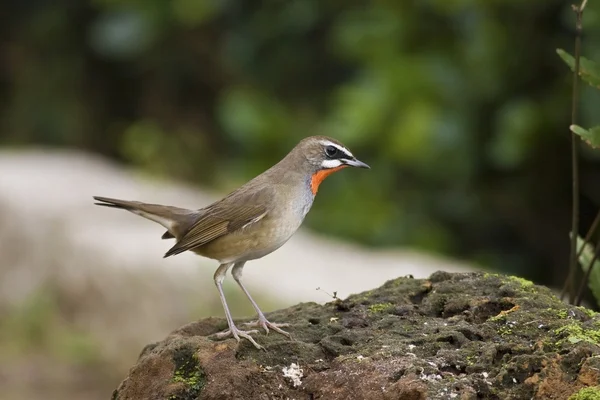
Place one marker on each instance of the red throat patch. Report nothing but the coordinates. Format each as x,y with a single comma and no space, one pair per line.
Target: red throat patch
320,176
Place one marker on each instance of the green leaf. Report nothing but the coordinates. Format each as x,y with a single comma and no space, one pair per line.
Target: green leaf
588,69
590,136
585,259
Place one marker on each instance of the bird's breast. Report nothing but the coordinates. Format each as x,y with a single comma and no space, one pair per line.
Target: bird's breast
251,242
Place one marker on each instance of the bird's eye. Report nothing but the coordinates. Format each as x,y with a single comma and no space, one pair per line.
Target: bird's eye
331,151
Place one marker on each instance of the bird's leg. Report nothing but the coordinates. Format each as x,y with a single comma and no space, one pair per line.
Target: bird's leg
262,320
233,330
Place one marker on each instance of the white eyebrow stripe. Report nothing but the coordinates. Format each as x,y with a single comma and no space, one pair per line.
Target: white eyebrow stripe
337,146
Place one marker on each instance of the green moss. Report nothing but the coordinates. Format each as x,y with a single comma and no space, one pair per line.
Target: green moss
380,307
589,393
562,313
487,275
575,333
587,311
505,331
523,282
195,381
188,372
497,318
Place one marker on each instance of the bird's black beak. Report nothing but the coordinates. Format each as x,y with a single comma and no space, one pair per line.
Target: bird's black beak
356,163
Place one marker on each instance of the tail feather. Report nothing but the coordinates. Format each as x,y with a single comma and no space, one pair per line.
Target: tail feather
167,235
172,218
114,203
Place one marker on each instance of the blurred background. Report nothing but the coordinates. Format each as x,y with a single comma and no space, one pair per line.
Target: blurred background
461,107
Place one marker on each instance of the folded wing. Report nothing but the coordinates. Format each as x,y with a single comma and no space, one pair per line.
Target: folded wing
221,218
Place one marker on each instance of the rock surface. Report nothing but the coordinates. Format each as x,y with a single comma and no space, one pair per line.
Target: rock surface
463,336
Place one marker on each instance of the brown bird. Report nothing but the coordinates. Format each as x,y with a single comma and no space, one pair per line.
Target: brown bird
252,221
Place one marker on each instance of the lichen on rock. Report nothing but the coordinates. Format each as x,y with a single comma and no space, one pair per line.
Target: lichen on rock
589,393
464,336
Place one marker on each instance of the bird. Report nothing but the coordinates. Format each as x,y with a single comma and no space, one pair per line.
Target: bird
251,221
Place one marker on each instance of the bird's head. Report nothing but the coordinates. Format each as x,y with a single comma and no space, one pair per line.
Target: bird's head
321,156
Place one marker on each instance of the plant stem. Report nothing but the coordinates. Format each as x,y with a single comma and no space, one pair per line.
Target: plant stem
574,151
588,272
588,236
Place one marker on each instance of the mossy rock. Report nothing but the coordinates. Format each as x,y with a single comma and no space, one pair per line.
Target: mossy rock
589,393
464,336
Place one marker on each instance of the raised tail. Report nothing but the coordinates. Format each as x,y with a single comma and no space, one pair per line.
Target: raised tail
174,219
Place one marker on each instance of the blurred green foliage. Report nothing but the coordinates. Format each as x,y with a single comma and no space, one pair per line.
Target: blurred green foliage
460,106
589,71
38,326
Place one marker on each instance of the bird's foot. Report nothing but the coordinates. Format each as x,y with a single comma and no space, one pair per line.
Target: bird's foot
265,324
237,334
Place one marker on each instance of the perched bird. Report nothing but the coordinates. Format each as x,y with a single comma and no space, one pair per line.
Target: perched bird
253,220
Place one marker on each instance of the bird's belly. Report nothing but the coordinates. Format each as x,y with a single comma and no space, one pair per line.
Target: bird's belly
248,243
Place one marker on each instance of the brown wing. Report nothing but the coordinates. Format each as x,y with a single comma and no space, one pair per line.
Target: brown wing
221,218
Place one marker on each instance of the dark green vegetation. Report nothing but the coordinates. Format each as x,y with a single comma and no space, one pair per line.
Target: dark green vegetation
461,107
187,372
464,336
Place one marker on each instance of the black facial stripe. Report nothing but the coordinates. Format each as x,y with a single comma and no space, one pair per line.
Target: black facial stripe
335,153
345,155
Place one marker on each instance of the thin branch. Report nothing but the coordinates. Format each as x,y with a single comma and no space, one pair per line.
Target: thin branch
588,272
588,237
574,150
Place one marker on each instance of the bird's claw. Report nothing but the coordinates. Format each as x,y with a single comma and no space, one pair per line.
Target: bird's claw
265,324
262,322
237,334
